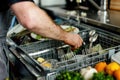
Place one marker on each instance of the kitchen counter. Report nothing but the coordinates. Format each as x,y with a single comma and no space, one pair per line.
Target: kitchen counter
111,22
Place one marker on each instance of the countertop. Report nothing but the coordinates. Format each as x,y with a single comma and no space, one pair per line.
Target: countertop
111,22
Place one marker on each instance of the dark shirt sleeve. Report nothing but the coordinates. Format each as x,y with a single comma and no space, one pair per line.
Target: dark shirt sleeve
5,4
10,2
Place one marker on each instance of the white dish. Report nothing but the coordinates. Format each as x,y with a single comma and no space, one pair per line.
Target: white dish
16,29
37,37
69,28
19,28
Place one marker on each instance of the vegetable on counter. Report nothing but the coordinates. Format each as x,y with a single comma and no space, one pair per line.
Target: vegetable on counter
111,67
69,75
102,71
100,66
102,76
88,72
116,74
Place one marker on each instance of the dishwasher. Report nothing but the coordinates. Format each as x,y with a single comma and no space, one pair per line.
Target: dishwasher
60,55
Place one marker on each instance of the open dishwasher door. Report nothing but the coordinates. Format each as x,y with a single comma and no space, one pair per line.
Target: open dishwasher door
21,66
27,55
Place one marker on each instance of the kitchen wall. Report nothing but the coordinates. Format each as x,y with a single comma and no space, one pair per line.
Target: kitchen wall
115,4
52,2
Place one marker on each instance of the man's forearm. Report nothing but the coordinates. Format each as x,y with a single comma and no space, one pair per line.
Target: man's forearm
36,20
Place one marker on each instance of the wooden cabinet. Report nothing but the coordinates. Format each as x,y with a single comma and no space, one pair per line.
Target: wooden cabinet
115,4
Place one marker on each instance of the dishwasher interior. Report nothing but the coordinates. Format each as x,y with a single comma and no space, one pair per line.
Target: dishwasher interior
58,56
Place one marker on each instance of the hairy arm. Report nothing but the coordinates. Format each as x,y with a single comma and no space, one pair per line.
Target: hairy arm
37,20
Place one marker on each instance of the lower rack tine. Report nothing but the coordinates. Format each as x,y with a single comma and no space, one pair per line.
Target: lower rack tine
86,51
83,52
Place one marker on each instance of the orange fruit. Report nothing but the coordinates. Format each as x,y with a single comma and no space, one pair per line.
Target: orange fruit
100,66
111,67
117,74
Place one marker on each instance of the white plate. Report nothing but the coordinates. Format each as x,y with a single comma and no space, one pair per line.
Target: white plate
19,28
68,28
37,37
16,29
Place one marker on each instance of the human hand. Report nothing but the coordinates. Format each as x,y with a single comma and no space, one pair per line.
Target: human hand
74,40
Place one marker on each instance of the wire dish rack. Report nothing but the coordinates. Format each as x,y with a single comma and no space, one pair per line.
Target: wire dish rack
110,45
50,49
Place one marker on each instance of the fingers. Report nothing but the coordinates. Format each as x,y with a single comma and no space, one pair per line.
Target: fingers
78,42
74,40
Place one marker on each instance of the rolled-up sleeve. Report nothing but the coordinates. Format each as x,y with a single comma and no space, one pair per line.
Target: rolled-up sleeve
10,2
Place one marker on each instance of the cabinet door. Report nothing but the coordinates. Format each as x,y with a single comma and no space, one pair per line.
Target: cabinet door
115,4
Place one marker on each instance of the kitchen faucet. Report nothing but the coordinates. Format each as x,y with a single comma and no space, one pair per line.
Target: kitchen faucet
78,14
102,9
103,4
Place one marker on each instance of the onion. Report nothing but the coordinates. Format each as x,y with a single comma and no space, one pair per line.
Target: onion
88,72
